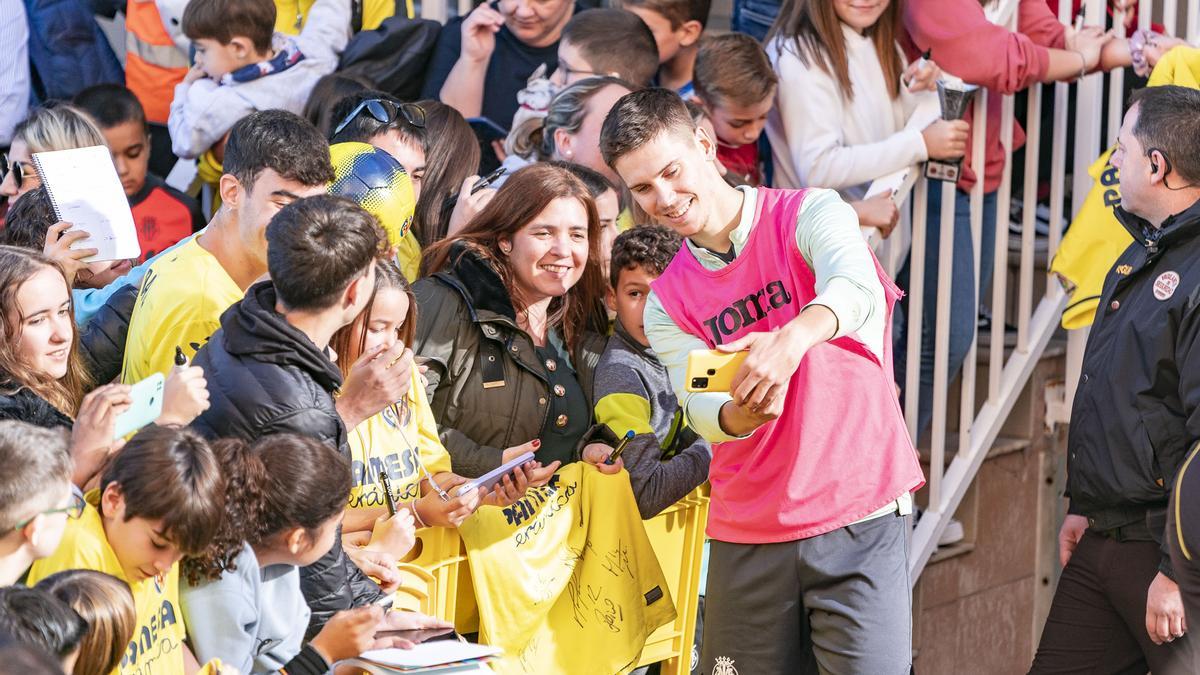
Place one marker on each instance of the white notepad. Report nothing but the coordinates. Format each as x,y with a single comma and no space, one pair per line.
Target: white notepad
84,188
429,654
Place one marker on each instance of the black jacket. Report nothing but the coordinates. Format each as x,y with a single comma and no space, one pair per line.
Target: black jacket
1137,409
486,383
267,377
21,404
102,338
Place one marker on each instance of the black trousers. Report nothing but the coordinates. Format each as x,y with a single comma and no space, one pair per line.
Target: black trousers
1097,622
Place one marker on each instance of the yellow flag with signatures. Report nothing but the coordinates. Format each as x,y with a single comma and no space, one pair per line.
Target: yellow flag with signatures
566,579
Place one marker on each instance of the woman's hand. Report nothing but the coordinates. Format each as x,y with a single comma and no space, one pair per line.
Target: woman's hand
394,535
468,205
58,248
879,212
92,439
377,379
1088,42
377,565
922,77
185,396
451,513
1156,48
946,139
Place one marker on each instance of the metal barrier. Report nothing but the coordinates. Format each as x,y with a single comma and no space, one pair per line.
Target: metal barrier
1036,318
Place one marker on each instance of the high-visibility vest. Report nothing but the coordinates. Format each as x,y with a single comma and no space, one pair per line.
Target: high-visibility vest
153,62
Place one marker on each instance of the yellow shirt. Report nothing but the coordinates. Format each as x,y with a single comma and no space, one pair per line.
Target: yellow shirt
156,647
180,303
397,446
290,15
408,256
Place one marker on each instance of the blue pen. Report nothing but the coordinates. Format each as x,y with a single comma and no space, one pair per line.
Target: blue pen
620,447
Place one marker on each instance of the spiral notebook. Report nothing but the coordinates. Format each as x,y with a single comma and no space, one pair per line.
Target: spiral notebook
84,188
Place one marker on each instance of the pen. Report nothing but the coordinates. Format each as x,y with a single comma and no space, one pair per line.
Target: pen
180,360
387,493
620,447
488,180
920,64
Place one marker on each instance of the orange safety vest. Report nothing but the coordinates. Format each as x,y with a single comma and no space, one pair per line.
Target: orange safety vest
153,63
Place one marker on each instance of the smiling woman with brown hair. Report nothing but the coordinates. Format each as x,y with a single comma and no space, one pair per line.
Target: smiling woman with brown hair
512,325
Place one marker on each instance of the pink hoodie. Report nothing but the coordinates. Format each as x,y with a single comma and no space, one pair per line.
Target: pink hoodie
964,43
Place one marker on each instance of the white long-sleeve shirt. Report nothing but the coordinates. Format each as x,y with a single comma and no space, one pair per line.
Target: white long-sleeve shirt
819,138
204,111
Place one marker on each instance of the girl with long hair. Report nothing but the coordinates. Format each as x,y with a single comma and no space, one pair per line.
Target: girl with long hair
402,440
42,381
106,604
284,499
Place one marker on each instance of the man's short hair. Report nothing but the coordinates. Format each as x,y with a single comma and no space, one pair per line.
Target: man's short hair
35,617
281,141
1169,121
639,118
733,68
28,220
364,126
171,474
614,41
317,246
111,105
34,459
223,20
678,12
651,247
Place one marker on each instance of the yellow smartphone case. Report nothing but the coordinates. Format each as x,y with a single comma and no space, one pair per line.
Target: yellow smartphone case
711,370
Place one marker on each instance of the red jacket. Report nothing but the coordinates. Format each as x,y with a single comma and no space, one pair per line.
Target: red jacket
964,43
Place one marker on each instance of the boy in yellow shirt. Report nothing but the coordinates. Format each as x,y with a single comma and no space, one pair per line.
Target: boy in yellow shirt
160,499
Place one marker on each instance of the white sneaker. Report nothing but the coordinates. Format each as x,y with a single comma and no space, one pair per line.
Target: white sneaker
952,534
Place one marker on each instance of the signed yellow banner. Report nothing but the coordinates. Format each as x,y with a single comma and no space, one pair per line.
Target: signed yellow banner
565,579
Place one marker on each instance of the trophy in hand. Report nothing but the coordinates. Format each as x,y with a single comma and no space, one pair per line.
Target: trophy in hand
954,96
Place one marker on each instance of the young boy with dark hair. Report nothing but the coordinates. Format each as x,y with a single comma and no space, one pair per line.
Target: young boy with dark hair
812,469
677,26
35,617
736,86
666,459
162,214
36,495
270,372
243,65
161,497
587,48
401,133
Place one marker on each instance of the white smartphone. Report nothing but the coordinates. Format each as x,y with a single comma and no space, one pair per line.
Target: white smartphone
489,480
147,405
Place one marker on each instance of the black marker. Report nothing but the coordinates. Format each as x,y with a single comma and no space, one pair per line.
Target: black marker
620,447
180,359
387,493
488,180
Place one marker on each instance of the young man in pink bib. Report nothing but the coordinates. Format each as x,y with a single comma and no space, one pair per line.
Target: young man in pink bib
812,469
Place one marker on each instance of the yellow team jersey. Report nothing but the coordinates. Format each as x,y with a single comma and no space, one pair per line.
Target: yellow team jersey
156,647
179,304
397,441
290,15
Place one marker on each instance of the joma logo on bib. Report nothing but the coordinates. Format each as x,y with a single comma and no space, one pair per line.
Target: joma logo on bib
747,311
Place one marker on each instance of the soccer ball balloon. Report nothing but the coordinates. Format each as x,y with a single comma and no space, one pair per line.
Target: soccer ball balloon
376,181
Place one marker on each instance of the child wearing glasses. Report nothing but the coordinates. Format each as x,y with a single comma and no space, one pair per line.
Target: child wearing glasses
243,65
38,496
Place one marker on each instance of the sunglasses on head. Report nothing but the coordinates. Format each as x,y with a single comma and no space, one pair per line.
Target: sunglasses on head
17,168
385,112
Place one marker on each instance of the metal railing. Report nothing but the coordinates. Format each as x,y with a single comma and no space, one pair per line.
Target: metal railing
1036,318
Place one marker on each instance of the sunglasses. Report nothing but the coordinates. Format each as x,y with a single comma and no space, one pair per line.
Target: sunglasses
17,168
73,509
385,112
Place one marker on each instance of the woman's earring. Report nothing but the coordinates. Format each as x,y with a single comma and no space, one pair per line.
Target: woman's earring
505,248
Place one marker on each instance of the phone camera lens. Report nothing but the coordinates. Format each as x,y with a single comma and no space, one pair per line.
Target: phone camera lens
699,383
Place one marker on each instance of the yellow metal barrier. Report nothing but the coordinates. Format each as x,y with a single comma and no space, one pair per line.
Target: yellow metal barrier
677,535
430,572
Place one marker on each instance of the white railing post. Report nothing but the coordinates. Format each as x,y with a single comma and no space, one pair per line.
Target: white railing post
916,305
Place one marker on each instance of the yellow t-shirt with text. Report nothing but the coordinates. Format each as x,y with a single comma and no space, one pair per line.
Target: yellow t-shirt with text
396,441
180,303
156,647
